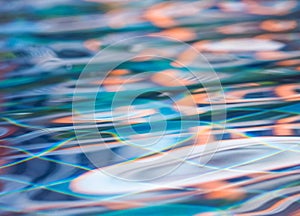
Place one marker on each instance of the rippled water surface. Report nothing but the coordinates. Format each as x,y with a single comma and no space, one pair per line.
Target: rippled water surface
189,108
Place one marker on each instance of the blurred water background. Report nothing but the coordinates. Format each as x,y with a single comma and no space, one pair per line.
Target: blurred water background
253,47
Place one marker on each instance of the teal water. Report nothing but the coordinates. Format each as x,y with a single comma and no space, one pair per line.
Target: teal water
149,107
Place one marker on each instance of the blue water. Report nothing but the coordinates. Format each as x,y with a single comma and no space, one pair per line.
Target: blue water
149,107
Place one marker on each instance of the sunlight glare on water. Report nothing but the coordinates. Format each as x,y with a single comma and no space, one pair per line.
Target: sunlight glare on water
150,107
